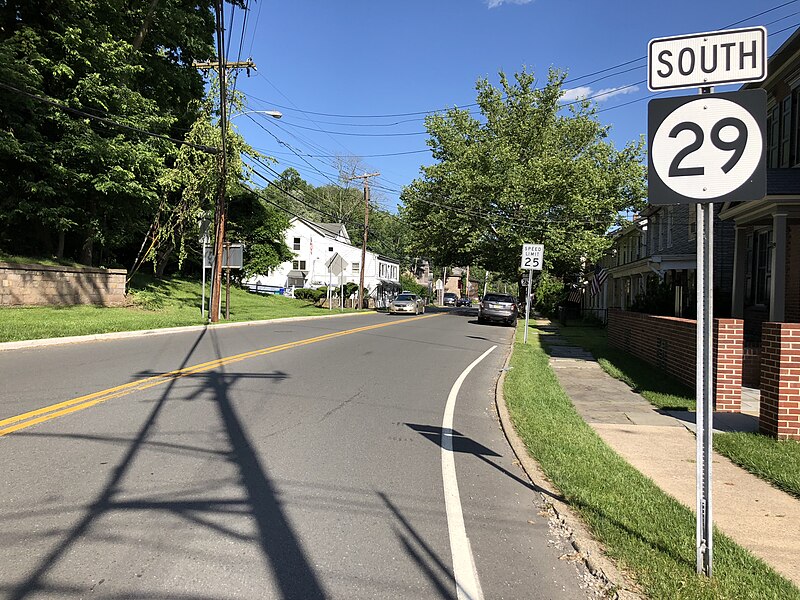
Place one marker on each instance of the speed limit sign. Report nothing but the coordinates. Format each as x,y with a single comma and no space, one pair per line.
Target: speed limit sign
707,148
532,257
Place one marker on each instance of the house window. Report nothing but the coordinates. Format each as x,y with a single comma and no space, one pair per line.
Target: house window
299,265
786,130
762,267
669,227
356,267
330,248
661,232
773,137
692,222
296,244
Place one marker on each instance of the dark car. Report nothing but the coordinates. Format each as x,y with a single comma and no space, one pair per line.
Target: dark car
449,299
463,301
498,307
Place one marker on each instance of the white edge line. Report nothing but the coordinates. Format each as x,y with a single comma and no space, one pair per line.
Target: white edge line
468,585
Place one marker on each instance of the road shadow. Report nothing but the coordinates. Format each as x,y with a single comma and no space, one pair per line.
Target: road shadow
415,546
285,561
465,445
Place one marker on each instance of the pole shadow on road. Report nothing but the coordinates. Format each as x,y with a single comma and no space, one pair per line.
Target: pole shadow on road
438,573
285,559
465,445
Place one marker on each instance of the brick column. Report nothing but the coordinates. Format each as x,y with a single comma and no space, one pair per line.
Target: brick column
728,341
780,380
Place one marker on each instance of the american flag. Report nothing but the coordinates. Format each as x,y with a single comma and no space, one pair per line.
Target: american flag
600,276
575,295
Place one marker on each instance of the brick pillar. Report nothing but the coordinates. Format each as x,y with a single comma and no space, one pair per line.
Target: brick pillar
780,380
728,347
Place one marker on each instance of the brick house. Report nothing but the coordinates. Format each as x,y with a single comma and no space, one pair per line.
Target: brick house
766,289
659,246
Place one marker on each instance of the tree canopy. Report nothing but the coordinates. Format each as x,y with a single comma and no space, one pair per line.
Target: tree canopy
75,186
526,169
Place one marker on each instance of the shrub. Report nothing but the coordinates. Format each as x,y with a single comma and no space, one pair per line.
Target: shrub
549,294
308,294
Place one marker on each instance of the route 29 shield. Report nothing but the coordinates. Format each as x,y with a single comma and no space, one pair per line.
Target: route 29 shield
707,148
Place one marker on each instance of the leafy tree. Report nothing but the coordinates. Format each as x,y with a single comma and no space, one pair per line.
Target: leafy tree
527,170
73,185
191,189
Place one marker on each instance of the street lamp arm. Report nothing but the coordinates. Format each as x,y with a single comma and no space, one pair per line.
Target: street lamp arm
275,114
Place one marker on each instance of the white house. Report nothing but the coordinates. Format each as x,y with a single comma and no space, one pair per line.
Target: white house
313,245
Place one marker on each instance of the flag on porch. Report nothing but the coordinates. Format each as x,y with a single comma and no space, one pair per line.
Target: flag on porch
600,276
575,295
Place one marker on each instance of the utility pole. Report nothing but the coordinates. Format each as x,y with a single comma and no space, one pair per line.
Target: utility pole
220,209
365,177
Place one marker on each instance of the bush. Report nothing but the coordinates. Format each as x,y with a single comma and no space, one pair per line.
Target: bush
549,294
146,299
408,283
308,294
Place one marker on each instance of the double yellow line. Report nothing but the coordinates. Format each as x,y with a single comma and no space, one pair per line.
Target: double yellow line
46,413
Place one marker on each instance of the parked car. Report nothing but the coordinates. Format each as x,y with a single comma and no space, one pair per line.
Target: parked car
498,307
463,301
407,303
449,299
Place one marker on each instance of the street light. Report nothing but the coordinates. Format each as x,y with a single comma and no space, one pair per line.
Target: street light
275,114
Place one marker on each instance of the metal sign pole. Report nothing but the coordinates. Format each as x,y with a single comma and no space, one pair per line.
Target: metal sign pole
528,306
203,300
704,383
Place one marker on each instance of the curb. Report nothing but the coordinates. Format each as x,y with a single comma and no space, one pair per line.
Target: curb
617,584
118,335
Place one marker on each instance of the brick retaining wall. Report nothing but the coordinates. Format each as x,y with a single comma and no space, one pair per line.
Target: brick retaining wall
669,343
780,380
40,285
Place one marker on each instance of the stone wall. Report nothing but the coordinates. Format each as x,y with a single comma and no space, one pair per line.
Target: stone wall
41,285
669,343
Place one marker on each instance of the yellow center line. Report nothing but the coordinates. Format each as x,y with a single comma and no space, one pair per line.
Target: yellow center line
46,413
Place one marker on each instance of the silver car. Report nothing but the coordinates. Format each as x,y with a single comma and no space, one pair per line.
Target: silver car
407,303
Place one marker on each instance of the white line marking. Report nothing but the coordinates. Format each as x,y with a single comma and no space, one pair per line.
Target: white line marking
468,586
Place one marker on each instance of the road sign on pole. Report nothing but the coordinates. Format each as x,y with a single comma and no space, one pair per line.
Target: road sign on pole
706,59
702,150
532,260
709,148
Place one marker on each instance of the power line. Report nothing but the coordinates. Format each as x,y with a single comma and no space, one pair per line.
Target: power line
568,80
107,121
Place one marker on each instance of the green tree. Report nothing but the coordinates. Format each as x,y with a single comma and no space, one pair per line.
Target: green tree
527,170
73,185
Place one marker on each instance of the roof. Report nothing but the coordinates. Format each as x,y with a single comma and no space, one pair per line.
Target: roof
780,58
332,228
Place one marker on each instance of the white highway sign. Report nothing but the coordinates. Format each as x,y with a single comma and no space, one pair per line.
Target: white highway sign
708,148
532,256
707,59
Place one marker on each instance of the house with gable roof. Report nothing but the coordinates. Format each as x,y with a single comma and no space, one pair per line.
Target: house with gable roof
314,244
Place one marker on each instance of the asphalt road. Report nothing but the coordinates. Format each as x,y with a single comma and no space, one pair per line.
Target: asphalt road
301,459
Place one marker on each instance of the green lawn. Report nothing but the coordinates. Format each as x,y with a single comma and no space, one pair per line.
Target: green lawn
154,304
649,533
777,462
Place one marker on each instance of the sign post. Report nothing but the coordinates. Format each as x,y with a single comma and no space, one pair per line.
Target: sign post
532,260
703,150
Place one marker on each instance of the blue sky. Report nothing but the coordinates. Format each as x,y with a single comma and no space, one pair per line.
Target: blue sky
357,59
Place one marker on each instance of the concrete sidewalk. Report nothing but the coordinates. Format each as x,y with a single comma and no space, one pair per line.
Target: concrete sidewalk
750,511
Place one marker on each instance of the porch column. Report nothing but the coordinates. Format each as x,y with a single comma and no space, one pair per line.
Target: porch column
777,296
739,273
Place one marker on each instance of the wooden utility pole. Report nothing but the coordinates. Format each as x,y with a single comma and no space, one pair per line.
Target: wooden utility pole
365,177
220,211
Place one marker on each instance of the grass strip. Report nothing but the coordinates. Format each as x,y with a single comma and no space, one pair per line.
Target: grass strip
649,533
155,304
774,461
